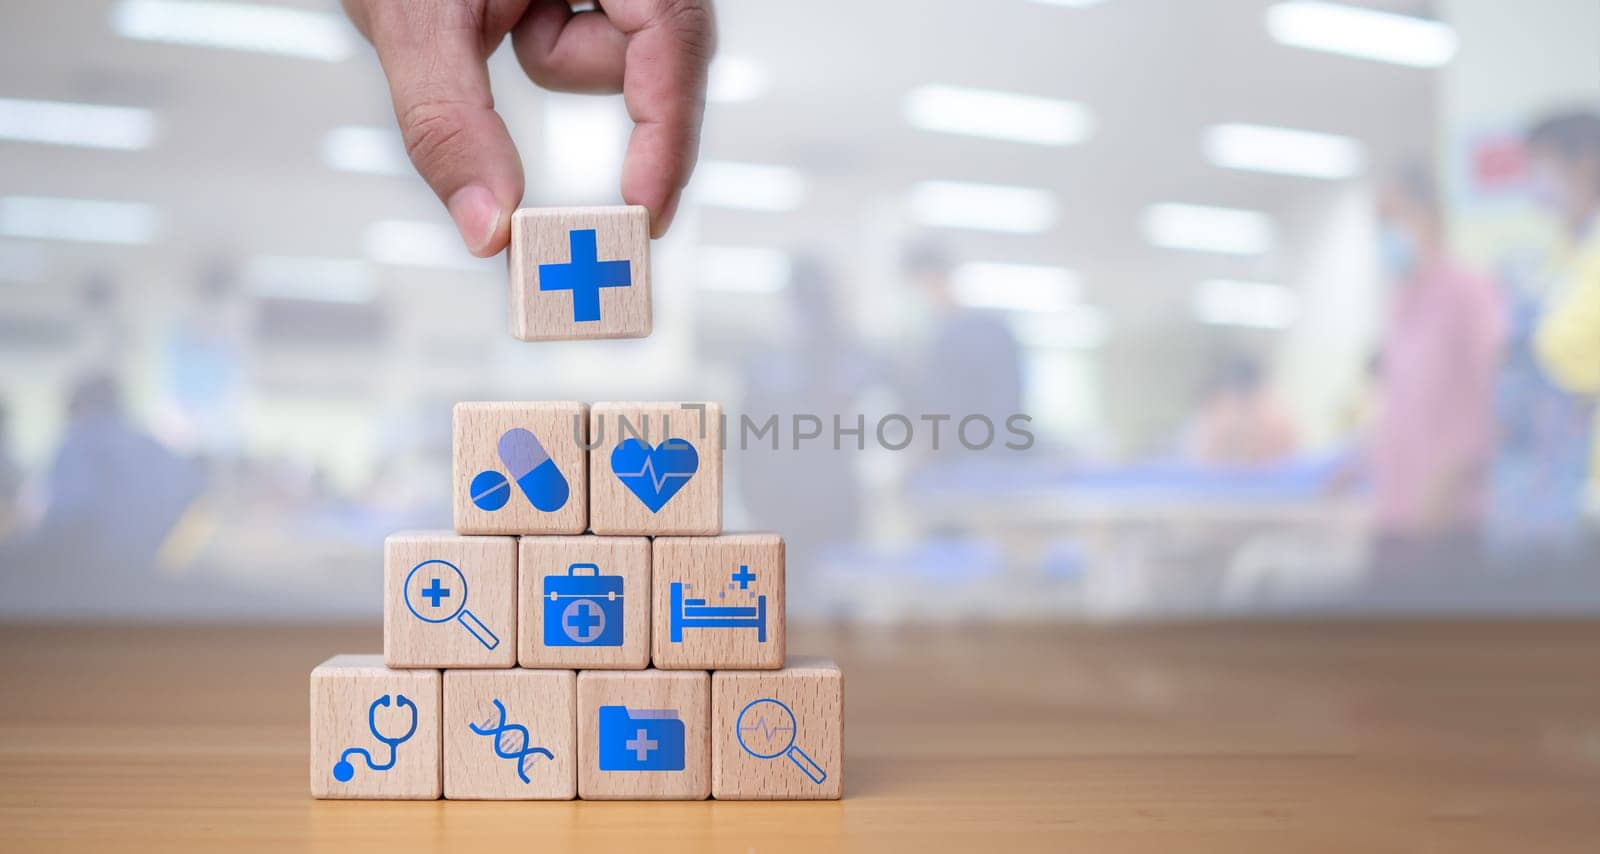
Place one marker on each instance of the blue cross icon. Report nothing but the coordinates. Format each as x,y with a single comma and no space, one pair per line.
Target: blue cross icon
744,576
584,275
641,744
435,592
583,621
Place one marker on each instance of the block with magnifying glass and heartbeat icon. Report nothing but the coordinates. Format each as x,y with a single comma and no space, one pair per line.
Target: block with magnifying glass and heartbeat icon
520,467
510,734
449,600
579,273
374,731
718,602
778,734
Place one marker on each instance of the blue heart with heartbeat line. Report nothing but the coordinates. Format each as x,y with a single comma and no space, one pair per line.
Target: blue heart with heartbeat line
654,473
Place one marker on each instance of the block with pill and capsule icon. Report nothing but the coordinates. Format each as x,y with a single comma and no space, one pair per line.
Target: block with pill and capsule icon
374,730
718,602
644,735
580,273
778,734
584,602
449,600
520,467
510,734
655,469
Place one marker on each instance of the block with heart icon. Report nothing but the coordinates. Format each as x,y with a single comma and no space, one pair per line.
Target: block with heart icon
521,468
655,468
718,602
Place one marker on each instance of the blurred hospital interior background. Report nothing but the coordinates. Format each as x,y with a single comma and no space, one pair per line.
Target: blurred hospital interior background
1293,293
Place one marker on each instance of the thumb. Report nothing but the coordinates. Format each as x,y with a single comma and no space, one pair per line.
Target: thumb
434,57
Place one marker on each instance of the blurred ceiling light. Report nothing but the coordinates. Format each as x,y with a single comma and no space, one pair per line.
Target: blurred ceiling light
339,280
745,269
1259,148
1080,327
997,115
1203,228
22,263
748,186
406,243
1363,33
584,140
87,220
236,26
1256,305
360,148
84,125
1014,287
735,79
984,207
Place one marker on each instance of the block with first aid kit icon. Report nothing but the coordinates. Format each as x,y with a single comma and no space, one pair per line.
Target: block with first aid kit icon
374,731
449,601
584,602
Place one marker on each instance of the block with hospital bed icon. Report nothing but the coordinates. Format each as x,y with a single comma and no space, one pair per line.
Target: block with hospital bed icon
718,603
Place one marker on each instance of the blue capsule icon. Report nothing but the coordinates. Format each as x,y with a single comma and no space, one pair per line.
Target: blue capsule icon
530,466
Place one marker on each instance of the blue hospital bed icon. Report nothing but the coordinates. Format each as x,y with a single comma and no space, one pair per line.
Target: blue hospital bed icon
696,614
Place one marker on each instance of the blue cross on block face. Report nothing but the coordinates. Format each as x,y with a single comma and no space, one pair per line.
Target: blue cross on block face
744,576
584,275
435,592
583,621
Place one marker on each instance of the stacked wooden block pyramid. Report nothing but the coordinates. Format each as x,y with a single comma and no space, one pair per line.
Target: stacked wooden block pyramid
587,630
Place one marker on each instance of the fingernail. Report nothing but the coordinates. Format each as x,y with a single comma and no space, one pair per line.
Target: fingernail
477,216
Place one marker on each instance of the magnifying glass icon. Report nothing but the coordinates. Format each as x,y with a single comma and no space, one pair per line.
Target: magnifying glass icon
766,730
436,592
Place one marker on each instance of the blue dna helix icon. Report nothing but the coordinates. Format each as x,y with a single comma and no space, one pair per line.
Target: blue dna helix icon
511,741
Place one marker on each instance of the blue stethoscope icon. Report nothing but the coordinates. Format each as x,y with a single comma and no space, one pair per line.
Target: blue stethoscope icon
343,770
436,592
775,726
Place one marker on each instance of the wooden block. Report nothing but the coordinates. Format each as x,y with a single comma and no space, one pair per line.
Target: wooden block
718,602
521,468
584,602
449,601
644,735
656,468
580,273
374,731
779,734
510,734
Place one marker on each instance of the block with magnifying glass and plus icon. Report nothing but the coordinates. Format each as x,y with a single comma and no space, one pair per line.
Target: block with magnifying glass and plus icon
778,734
580,273
718,602
449,600
374,730
584,602
644,735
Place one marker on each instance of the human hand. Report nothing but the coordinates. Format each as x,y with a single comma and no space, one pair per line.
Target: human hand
434,52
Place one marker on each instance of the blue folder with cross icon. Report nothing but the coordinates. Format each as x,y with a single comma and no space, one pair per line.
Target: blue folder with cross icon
583,608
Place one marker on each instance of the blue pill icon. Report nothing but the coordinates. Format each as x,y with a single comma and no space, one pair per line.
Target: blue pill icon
531,467
490,490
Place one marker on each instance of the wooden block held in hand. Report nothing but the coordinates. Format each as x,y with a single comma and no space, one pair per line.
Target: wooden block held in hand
374,731
449,601
580,273
718,603
510,734
778,735
644,735
521,468
655,468
584,602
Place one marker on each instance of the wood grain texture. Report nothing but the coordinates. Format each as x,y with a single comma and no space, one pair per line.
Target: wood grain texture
561,428
542,701
812,690
688,693
1324,737
343,689
709,568
696,509
543,236
489,567
541,558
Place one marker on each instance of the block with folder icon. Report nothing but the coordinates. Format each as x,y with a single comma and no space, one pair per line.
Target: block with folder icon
644,735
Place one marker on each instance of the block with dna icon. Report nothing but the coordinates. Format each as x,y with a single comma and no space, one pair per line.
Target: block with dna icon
778,734
510,734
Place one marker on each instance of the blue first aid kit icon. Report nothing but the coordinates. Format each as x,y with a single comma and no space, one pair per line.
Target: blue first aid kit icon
583,608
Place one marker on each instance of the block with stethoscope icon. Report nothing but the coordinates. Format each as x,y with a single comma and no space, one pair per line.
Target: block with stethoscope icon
449,600
778,735
374,730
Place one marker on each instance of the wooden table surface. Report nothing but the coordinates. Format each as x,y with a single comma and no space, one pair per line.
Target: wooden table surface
1235,737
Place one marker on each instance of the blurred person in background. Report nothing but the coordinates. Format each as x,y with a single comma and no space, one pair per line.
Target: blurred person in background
10,475
1565,154
1241,422
972,365
205,366
1433,439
